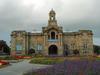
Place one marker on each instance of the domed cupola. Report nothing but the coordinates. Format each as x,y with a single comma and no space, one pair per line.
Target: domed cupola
52,15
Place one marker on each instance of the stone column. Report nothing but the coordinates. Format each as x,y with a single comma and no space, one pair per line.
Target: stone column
58,39
24,44
13,46
27,48
44,39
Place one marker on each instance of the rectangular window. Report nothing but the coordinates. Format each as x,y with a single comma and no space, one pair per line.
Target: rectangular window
39,47
84,45
18,46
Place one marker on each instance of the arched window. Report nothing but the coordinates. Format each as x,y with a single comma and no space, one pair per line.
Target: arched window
52,35
52,18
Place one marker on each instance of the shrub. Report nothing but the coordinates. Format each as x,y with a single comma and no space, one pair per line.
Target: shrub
10,58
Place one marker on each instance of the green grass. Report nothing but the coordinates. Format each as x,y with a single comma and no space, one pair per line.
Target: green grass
55,60
46,60
97,58
7,58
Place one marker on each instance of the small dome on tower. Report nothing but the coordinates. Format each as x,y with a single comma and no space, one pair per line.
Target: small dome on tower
52,12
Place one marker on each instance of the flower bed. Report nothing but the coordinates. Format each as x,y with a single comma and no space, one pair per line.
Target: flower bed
70,67
4,62
23,57
15,57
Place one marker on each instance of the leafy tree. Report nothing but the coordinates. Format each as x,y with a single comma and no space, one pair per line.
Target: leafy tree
31,51
96,49
76,52
4,48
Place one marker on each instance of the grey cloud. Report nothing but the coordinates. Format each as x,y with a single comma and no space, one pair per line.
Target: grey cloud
71,14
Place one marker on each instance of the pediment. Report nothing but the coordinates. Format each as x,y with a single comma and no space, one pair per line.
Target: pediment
55,28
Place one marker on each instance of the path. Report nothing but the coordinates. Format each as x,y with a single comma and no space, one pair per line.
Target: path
19,68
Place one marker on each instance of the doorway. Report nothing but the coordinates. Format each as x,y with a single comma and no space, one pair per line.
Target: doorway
53,50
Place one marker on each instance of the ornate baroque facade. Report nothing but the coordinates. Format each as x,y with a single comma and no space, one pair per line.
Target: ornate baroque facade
52,40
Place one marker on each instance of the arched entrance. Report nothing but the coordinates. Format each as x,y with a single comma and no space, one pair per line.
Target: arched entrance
53,50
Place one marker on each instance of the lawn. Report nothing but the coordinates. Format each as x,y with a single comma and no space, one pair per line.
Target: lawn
7,58
46,60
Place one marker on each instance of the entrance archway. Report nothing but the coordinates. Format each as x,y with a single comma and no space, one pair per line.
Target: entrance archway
53,50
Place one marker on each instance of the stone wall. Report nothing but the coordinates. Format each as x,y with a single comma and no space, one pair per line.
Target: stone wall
81,41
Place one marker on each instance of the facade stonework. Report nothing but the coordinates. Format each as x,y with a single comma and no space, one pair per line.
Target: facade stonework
52,40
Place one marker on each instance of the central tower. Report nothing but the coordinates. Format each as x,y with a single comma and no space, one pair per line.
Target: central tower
52,18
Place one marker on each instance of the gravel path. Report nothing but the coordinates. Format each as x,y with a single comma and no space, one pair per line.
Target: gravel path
19,68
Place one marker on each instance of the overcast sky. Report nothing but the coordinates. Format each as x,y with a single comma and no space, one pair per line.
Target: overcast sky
33,14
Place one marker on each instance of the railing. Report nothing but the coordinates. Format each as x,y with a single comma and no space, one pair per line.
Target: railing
52,40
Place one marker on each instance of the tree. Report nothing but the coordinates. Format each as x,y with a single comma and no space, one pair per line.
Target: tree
76,52
4,48
96,49
31,51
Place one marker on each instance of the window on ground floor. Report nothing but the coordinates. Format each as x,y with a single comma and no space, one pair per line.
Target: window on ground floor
18,46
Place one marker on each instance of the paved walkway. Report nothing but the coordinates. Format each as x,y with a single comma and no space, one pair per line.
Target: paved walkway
19,68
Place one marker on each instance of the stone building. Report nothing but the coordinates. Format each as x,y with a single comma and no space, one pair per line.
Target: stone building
52,40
